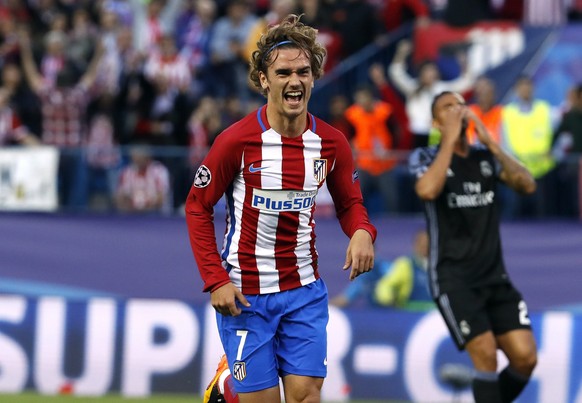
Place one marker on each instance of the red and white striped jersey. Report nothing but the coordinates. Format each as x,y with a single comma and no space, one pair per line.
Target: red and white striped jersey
175,69
270,183
144,187
63,111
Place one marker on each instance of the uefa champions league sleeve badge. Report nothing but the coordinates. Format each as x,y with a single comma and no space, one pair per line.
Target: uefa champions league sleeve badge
202,177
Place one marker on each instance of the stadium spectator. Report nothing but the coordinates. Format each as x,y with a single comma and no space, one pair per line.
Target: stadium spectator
162,114
571,123
338,104
22,100
9,38
527,134
233,109
53,58
318,14
110,68
16,11
567,150
396,13
12,131
81,38
420,91
405,284
151,20
162,111
227,45
282,155
144,184
407,200
122,9
402,135
372,143
45,15
486,109
357,23
278,10
63,107
360,291
468,279
164,63
400,283
203,126
194,32
103,153
120,74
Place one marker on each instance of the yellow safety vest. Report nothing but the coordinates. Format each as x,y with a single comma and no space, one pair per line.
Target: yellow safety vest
529,136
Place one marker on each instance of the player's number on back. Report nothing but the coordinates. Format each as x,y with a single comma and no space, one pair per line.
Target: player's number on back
523,316
243,338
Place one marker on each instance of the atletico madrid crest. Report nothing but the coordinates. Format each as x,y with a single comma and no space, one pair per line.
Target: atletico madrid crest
319,169
239,370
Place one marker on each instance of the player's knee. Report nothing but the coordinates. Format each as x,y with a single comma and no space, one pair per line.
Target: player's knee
306,397
488,359
524,361
483,353
309,393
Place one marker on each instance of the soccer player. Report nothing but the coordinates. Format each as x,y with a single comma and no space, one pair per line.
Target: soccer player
468,280
271,304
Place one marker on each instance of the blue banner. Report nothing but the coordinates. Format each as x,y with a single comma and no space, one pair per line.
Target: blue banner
142,346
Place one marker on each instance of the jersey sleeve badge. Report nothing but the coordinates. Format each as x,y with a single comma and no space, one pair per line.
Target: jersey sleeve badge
202,177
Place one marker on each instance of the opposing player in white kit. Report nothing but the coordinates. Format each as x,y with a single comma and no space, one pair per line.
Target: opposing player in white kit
272,306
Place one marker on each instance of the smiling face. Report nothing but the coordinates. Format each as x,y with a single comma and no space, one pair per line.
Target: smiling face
288,83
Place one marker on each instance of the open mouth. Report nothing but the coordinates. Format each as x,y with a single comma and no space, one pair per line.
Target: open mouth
294,97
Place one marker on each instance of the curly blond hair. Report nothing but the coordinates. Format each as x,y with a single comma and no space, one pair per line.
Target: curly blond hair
290,33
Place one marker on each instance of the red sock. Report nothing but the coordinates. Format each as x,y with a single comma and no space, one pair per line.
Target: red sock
229,392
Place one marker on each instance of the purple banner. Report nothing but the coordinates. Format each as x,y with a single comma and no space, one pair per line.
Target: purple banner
150,257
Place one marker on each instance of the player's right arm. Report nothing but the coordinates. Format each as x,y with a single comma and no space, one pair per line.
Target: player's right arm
212,178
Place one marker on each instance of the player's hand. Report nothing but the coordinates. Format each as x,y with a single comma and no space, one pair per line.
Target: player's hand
360,254
452,123
482,132
224,300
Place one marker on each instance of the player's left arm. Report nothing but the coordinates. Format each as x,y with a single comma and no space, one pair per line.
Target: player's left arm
513,173
360,253
344,188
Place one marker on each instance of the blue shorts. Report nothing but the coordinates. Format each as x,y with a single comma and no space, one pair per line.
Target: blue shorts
280,333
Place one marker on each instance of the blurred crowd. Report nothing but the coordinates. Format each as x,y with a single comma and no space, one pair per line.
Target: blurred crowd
133,92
